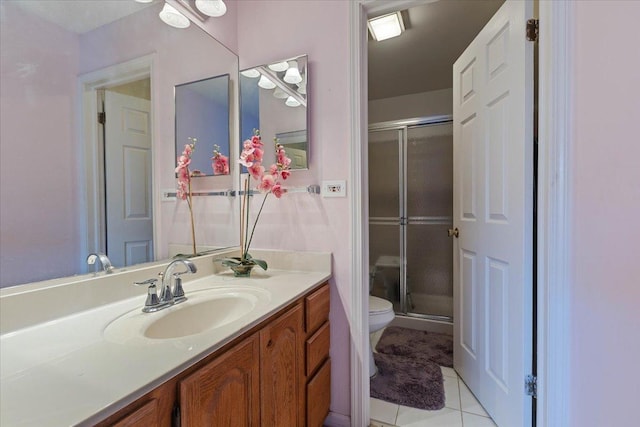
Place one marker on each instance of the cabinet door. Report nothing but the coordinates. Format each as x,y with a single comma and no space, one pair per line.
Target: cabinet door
226,392
282,370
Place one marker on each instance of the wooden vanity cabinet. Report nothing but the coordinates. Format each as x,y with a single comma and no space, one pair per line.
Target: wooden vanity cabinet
276,374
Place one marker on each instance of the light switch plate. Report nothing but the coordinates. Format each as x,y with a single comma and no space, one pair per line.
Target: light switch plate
334,189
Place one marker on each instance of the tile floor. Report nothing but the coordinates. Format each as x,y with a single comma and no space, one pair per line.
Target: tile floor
461,407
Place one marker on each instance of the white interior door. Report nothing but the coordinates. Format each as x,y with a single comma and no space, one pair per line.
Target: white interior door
493,210
129,218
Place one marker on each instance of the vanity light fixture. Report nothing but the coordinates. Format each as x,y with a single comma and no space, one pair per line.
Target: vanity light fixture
293,74
279,66
302,88
172,17
386,26
252,73
144,1
292,102
265,83
215,8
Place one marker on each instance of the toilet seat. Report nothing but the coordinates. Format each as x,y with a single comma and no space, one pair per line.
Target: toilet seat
379,305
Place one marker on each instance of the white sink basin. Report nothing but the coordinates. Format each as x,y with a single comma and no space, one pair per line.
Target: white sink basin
203,311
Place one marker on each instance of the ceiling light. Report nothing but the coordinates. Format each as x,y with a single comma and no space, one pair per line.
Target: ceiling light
213,8
171,16
265,83
251,73
292,102
280,94
386,26
293,74
279,66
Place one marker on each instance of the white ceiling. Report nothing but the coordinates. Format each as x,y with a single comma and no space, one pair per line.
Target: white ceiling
421,58
81,16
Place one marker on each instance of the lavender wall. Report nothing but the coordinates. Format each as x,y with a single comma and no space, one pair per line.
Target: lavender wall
38,198
605,293
274,30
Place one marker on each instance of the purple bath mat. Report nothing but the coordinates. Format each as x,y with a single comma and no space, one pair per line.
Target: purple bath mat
419,345
408,382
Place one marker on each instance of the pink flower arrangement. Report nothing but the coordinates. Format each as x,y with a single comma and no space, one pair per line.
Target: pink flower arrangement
269,182
219,162
184,183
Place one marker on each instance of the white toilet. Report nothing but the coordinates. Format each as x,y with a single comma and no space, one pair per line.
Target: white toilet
380,315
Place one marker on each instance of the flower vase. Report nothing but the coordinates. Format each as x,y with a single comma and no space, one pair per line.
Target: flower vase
242,270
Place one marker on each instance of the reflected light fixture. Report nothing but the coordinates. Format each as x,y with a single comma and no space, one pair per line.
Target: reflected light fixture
279,66
265,83
215,8
292,102
171,16
293,74
302,88
280,94
386,26
252,73
144,1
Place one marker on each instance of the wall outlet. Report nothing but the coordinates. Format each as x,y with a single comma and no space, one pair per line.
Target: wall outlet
334,189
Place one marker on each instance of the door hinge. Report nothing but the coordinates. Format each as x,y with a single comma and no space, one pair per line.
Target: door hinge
533,28
102,117
531,386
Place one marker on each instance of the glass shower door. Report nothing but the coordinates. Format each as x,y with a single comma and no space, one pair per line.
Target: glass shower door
385,193
429,212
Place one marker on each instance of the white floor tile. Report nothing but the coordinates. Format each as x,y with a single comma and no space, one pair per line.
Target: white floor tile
473,420
448,372
468,401
411,417
380,424
451,393
383,411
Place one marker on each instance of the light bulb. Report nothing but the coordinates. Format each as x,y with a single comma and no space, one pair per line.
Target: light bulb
302,88
279,93
293,74
279,66
292,102
251,73
171,16
215,8
265,83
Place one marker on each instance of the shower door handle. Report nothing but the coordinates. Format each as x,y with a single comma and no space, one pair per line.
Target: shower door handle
453,232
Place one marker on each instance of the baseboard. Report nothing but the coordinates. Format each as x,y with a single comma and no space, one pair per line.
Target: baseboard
337,420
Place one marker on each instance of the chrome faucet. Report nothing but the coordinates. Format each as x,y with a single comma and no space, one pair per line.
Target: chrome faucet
175,294
103,260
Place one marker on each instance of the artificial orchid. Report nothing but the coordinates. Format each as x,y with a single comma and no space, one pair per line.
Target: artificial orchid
184,183
268,182
219,162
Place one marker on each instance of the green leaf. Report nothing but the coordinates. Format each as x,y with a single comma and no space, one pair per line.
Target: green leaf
231,261
260,262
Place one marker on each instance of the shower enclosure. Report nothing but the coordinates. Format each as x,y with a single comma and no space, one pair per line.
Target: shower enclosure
410,212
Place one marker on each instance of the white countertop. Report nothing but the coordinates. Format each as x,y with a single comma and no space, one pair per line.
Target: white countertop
65,372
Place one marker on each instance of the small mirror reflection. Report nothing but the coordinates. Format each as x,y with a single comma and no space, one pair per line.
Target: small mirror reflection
202,113
273,99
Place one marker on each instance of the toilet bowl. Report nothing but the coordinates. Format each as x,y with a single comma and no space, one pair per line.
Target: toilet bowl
380,315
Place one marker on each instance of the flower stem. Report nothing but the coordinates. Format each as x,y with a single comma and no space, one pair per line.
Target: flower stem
256,223
193,228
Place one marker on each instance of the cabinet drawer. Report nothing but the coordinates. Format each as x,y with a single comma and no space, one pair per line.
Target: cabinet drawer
317,348
316,309
319,396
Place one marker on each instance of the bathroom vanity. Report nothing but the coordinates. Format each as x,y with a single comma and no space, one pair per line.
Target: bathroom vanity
263,361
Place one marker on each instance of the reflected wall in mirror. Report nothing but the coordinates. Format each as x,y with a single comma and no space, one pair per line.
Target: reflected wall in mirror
53,191
202,112
274,99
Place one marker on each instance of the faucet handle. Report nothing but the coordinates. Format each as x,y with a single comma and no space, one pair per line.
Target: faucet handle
178,292
153,302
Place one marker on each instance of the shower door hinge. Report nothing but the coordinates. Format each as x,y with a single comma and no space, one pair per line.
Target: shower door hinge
531,386
533,28
102,117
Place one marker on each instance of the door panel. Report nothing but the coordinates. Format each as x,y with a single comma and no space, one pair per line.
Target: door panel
493,210
129,216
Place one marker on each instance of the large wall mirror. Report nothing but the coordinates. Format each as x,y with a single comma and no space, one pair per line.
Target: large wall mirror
274,99
63,62
202,113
